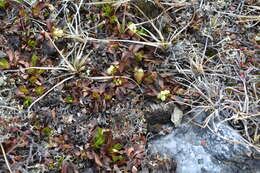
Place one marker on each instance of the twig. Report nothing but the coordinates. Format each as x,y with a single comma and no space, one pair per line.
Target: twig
239,16
8,107
6,161
186,26
85,39
40,68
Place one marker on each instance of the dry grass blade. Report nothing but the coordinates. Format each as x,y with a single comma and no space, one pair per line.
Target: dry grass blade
85,39
257,17
6,160
47,92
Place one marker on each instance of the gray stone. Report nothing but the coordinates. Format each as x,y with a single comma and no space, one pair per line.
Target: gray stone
199,150
2,54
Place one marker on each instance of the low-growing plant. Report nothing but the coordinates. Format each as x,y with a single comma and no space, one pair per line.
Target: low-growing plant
163,95
99,139
31,43
27,101
103,141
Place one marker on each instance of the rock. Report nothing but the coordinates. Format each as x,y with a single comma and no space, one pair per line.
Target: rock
198,150
2,54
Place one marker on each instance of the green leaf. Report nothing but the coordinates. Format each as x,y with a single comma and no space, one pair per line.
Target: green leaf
2,3
113,19
24,90
31,43
34,59
39,90
117,147
27,101
99,139
4,64
69,99
141,32
116,158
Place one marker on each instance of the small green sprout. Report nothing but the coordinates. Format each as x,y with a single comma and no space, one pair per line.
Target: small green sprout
31,43
116,147
69,99
57,33
112,70
118,82
163,95
99,138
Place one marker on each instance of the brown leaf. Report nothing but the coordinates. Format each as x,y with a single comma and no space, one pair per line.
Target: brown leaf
38,7
161,83
49,25
90,155
135,48
134,169
97,159
10,54
129,151
68,168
